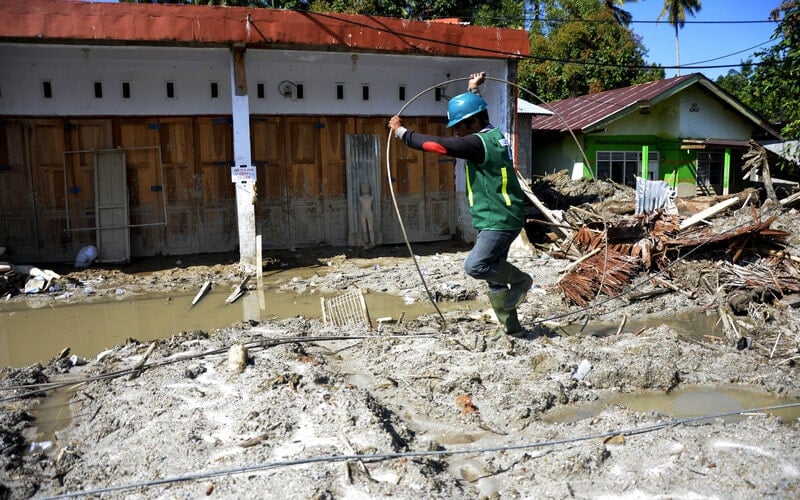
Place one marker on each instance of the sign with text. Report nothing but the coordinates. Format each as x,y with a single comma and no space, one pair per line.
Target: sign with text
243,173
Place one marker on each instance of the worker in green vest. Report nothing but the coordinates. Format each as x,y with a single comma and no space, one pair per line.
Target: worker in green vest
494,196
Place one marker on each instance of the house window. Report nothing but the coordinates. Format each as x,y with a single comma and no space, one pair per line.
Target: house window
365,92
170,90
299,91
98,90
126,90
401,93
340,92
618,166
709,168
214,90
622,167
260,90
47,89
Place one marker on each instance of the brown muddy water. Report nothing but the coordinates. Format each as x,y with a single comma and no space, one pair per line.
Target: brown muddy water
30,336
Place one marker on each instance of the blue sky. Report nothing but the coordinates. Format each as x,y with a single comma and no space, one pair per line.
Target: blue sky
705,44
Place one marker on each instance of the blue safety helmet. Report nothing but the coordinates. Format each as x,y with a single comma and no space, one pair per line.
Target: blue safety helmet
463,106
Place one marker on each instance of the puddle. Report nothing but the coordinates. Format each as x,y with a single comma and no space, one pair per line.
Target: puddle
36,335
695,326
51,415
686,402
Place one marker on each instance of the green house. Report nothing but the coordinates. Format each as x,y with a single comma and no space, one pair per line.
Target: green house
691,132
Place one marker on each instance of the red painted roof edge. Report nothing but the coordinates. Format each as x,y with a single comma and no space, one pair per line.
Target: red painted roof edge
60,21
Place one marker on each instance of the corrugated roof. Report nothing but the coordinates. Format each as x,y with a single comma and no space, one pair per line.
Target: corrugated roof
51,21
582,112
588,112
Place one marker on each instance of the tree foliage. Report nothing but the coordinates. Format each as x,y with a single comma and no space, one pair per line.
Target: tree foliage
675,11
772,87
580,47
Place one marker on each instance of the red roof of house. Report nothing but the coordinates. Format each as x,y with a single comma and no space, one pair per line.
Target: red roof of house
594,111
582,112
61,21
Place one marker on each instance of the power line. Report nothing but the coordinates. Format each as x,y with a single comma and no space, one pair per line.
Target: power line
515,55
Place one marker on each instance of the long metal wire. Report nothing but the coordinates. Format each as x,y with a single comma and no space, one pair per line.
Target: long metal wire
410,454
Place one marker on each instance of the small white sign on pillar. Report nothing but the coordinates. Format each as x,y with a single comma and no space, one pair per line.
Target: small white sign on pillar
243,173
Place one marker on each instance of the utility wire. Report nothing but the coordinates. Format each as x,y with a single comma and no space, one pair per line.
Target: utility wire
413,454
514,55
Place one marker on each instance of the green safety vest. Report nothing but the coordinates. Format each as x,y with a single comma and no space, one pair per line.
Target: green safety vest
493,192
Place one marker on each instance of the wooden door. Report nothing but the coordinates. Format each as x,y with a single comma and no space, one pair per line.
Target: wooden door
83,138
333,159
269,157
440,185
111,206
218,230
140,139
423,184
306,221
47,169
18,232
181,185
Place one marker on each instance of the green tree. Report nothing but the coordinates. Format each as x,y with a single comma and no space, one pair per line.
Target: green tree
676,11
776,80
580,47
622,16
771,86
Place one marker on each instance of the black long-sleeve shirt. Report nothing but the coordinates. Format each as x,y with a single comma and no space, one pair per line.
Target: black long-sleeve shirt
469,147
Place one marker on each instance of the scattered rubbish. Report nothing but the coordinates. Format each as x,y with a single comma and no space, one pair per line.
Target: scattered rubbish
203,291
76,360
744,343
237,358
583,370
238,291
348,309
34,285
40,446
86,256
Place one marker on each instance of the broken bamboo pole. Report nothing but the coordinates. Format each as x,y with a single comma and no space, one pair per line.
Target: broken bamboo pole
708,212
573,265
137,368
790,199
539,205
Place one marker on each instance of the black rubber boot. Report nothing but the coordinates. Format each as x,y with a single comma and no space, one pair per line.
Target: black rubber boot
507,318
519,282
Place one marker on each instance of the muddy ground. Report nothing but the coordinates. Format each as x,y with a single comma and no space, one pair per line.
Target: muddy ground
419,408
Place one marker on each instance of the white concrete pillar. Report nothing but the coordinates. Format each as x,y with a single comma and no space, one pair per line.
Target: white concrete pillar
243,172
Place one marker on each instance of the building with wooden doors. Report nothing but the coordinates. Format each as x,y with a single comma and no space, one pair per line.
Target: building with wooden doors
175,129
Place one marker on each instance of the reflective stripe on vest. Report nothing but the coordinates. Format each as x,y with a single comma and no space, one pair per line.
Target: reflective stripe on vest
469,185
504,174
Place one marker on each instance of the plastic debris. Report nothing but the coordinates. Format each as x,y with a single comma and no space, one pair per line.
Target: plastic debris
583,370
86,256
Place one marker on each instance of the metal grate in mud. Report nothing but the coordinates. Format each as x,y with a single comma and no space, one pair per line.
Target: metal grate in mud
347,309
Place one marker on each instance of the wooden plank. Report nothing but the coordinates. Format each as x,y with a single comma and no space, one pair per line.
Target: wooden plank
709,212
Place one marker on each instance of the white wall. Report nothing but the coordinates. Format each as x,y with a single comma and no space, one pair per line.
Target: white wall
690,114
72,71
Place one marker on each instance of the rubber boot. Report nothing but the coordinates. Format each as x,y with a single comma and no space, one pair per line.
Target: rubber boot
507,318
519,281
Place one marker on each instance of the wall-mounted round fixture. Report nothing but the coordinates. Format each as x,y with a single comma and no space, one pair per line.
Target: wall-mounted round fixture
286,89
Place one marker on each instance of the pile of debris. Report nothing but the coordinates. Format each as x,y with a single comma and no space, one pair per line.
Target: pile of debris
616,252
